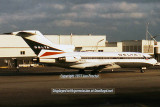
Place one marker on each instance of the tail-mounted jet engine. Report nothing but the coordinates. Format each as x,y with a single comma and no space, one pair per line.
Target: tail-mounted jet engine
69,59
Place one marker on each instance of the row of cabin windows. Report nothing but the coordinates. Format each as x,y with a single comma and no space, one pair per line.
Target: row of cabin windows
115,58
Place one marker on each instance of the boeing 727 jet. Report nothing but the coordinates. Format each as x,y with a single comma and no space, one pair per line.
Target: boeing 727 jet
63,56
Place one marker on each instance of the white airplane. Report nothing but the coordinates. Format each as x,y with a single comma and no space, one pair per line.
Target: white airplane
63,56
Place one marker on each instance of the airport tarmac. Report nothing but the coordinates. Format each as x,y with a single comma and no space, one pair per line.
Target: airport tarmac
32,87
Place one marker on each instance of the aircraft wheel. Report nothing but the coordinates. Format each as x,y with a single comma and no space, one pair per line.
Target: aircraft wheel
94,72
81,71
142,71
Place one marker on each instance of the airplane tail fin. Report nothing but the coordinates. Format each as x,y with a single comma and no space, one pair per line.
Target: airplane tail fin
37,41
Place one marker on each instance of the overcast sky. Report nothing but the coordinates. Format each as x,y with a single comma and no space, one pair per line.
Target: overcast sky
118,19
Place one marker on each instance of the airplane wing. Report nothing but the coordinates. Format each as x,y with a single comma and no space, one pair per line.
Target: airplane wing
93,65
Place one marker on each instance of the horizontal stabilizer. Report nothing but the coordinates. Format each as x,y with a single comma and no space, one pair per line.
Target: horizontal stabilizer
24,33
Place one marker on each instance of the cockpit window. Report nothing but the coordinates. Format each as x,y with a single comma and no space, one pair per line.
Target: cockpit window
147,57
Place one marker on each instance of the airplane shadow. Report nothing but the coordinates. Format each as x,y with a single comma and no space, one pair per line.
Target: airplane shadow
50,72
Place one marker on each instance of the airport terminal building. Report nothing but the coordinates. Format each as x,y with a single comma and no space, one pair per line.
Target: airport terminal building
14,48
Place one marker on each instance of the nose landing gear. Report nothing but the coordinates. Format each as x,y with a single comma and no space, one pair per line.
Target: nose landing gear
143,69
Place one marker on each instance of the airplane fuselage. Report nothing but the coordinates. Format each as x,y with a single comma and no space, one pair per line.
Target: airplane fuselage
83,60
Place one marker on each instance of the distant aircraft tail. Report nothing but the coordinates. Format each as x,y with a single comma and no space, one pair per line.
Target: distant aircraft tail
37,42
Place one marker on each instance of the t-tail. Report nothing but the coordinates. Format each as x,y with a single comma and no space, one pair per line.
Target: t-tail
37,42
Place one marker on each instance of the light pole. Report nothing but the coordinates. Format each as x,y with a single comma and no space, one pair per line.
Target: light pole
98,43
147,24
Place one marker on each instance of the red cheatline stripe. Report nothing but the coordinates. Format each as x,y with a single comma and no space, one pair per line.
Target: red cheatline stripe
51,53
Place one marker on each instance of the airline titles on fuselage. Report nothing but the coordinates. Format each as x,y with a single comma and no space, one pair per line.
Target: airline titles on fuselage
136,55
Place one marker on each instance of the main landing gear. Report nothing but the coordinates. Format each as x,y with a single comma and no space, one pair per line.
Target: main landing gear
94,72
81,71
97,70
